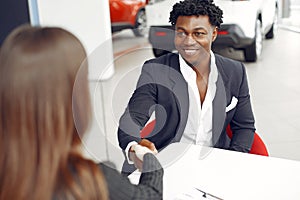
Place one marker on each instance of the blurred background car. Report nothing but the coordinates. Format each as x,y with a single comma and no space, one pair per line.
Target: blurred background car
128,14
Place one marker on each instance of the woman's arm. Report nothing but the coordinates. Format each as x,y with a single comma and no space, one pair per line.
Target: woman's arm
150,185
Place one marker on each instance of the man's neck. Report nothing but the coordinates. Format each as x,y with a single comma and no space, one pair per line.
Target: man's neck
203,68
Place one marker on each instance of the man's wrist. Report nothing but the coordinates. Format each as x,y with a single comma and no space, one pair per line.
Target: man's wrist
128,151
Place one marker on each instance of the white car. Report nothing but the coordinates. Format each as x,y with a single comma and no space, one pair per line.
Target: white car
245,24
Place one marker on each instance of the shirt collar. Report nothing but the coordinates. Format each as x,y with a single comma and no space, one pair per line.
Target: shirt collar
188,72
213,75
185,69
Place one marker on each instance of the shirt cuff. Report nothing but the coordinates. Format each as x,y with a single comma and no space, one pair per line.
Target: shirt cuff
127,151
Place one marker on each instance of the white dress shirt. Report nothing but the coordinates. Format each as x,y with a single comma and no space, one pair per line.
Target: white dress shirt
198,129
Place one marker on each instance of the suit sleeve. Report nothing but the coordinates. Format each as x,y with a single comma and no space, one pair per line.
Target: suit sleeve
242,124
139,108
150,185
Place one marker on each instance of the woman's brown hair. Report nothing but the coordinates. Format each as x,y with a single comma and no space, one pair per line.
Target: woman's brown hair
45,110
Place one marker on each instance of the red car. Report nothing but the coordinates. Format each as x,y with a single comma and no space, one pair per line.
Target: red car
126,14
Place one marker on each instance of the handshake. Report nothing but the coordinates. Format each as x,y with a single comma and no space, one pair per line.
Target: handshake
137,152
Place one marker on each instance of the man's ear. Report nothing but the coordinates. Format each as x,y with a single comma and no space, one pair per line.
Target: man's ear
215,33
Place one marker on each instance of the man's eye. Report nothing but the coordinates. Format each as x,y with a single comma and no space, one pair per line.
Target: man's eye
198,34
180,34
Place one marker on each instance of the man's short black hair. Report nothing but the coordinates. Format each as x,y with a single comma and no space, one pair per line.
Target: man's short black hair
197,8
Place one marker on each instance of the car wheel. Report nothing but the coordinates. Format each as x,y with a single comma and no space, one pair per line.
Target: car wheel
253,51
140,28
273,29
270,34
159,52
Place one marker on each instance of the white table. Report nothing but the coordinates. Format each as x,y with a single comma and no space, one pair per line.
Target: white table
226,174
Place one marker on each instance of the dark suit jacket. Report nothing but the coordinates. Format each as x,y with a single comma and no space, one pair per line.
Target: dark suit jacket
161,87
150,184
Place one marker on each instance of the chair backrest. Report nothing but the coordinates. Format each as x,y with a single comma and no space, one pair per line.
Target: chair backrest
258,146
147,129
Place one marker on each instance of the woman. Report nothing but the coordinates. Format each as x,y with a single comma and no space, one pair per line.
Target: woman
42,120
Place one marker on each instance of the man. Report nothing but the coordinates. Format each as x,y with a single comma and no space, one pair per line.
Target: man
195,95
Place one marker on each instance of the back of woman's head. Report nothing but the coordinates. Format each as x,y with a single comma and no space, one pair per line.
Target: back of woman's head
43,92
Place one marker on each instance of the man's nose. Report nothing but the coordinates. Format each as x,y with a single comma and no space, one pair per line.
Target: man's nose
189,40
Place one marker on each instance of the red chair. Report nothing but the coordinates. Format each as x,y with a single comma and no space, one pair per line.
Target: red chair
147,129
258,146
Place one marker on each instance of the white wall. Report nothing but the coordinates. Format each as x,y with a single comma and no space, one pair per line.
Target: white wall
89,20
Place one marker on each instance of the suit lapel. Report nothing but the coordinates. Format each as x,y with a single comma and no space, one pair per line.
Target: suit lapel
219,114
219,102
179,88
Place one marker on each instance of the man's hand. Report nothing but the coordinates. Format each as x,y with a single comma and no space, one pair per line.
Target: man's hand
149,145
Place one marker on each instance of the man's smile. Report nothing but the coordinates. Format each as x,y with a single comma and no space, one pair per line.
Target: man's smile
190,52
